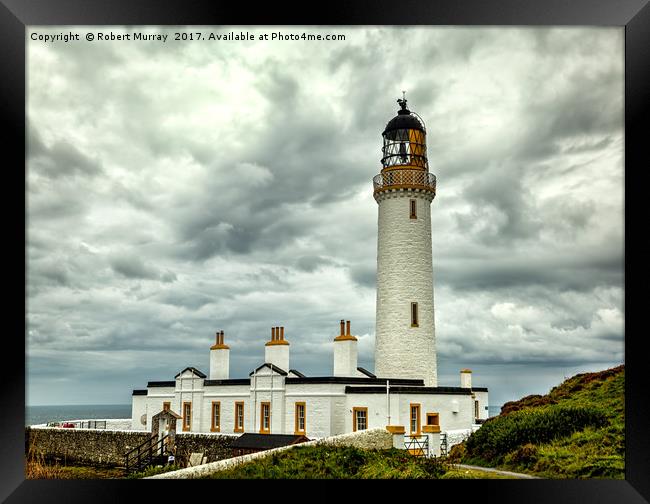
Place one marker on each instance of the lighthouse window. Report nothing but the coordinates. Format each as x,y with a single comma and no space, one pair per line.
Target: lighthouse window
239,417
360,417
300,418
265,418
187,415
216,416
414,315
413,207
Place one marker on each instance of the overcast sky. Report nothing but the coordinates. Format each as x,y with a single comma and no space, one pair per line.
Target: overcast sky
181,188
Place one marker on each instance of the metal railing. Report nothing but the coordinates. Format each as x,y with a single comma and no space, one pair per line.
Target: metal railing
80,424
144,454
405,178
443,444
417,445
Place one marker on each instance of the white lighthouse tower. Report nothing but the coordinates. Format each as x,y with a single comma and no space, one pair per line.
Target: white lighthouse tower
405,332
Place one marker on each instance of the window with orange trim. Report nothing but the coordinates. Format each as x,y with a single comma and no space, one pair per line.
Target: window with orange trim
215,424
359,419
187,416
301,410
239,417
265,418
415,419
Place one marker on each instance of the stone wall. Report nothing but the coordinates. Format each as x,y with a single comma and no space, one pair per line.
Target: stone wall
213,446
107,447
367,439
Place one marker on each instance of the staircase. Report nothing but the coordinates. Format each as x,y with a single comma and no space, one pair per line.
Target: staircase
152,452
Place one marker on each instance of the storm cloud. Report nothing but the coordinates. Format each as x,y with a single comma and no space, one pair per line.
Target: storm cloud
177,189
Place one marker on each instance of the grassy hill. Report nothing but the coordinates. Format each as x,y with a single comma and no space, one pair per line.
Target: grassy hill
577,430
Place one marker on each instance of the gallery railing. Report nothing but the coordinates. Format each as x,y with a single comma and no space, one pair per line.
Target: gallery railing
412,179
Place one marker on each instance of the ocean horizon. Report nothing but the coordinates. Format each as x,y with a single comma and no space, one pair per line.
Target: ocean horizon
35,415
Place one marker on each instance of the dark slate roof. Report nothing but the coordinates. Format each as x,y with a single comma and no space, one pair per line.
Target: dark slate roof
272,367
165,413
358,380
139,392
366,372
266,441
162,383
297,373
409,390
194,371
230,381
480,389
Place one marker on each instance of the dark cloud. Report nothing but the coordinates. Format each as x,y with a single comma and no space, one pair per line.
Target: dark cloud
132,266
183,189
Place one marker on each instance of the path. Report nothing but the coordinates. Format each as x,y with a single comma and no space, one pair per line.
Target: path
497,471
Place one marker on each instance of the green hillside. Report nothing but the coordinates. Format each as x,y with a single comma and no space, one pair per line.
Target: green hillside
577,430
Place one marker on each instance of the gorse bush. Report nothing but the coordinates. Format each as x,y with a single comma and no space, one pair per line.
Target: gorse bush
326,462
541,425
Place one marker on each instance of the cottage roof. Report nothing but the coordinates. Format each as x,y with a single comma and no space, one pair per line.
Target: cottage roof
297,373
366,372
194,372
272,367
267,441
165,413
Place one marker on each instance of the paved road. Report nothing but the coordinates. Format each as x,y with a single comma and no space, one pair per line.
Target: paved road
505,473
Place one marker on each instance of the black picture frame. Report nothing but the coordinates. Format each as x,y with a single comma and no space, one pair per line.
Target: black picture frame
634,15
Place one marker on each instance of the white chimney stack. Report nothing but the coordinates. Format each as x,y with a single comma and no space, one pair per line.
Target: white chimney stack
219,359
276,351
345,352
466,378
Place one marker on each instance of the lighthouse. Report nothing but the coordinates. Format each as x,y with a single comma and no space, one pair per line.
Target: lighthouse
405,345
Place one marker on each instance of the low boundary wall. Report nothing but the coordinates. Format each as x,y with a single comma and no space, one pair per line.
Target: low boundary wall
107,447
367,439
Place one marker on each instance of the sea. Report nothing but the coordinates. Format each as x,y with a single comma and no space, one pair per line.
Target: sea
494,410
44,414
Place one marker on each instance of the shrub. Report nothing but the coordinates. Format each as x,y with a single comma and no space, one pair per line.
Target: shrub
525,456
541,425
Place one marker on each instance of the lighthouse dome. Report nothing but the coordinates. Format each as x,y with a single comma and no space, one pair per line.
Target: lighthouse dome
402,121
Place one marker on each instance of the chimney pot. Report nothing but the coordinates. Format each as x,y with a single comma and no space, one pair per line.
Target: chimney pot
282,333
272,333
342,327
348,328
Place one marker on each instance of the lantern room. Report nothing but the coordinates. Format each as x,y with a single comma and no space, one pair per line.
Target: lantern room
404,141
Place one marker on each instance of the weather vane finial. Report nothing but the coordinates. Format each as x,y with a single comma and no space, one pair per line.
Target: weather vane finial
402,101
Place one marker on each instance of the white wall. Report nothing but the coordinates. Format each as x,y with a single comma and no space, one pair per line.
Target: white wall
400,410
154,402
138,408
405,275
227,395
321,401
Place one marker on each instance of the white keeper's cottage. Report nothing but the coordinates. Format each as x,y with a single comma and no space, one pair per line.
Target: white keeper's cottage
403,390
